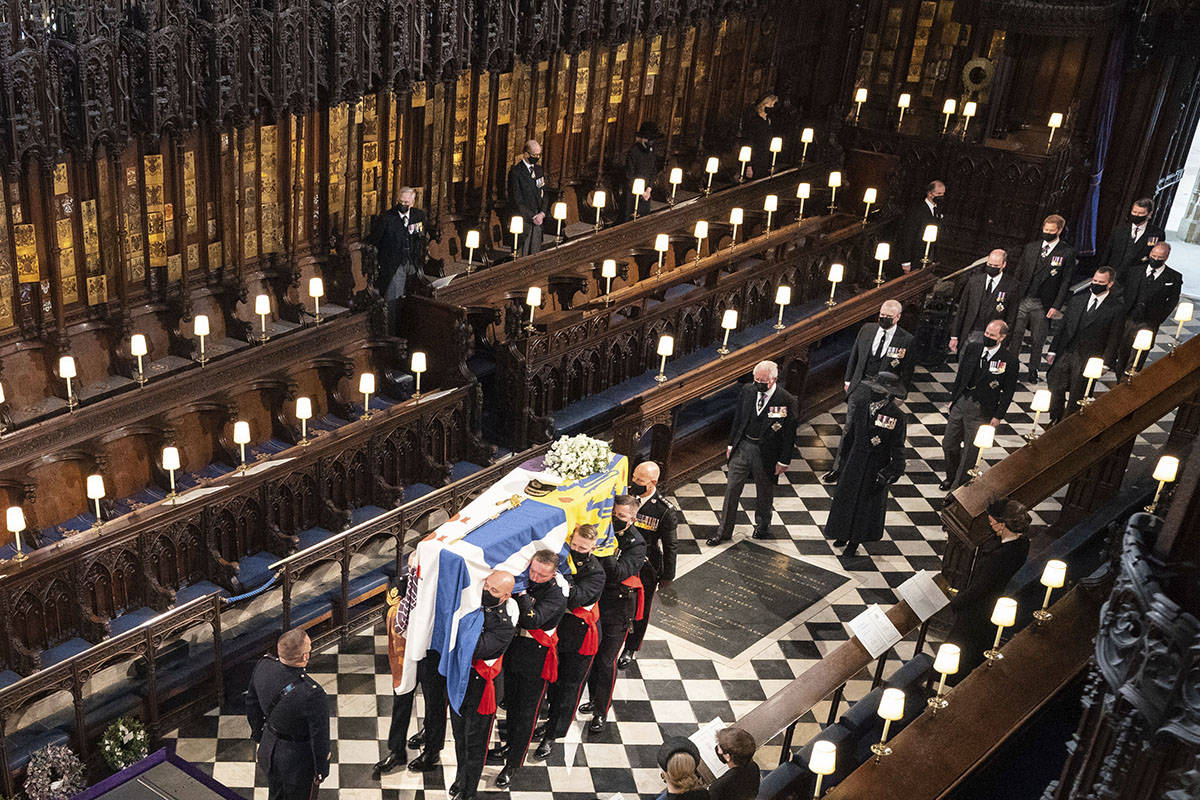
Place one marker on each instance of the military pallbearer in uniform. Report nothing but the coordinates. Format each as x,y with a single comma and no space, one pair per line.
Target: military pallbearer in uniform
656,521
289,719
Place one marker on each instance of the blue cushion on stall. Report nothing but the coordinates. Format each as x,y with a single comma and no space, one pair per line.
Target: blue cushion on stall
198,589
8,678
463,469
24,742
364,513
415,491
61,652
254,570
131,619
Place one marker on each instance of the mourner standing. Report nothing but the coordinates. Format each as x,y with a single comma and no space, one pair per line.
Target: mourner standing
527,196
578,638
987,295
874,460
760,128
472,723
1091,328
1151,296
532,658
983,388
289,720
1130,242
621,603
761,444
928,211
640,162
400,237
881,345
656,521
1043,283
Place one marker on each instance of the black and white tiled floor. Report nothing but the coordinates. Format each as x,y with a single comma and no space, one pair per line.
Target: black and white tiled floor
672,687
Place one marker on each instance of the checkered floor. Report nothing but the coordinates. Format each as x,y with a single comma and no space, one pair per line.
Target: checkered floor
672,686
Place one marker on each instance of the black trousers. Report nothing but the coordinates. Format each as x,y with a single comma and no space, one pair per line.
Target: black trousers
1031,316
958,443
472,731
1124,357
281,787
563,694
858,397
746,461
530,240
402,705
1066,378
524,690
433,686
614,627
637,633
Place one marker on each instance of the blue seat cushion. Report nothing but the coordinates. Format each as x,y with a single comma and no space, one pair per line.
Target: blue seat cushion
364,513
131,619
61,652
24,742
253,570
462,469
313,536
8,678
861,714
581,412
415,491
198,589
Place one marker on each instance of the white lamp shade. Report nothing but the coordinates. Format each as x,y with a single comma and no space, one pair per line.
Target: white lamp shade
14,519
66,367
969,108
661,242
608,269
860,96
303,408
835,180
559,210
729,319
366,383
823,759
676,176
836,272
783,295
472,240
666,345
137,345
316,287
1005,612
950,106
930,234
776,144
883,251
200,325
744,153
1056,120
1094,368
95,487
516,225
905,100
1143,339
241,432
1166,469
946,661
262,304
639,185
870,195
806,136
803,191
985,436
534,296
891,704
1054,574
712,165
701,231
735,216
599,198
771,203
1183,312
418,362
170,458
1041,400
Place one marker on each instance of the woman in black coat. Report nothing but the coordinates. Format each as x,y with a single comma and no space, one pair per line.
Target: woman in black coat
995,565
874,460
758,133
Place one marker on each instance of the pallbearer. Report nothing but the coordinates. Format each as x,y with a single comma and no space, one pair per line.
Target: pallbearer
656,520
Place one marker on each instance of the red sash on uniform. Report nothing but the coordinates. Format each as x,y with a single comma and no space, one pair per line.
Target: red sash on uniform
591,640
550,642
635,582
487,703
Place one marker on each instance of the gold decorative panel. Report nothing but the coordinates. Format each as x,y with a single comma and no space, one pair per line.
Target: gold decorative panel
97,290
272,220
25,244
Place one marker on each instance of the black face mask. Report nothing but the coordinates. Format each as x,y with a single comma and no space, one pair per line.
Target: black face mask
1099,288
404,207
1155,263
989,342
1138,219
762,386
532,159
991,272
580,560
886,322
1049,237
637,489
937,201
489,599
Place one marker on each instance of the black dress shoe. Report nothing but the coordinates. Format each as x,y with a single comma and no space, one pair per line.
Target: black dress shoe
424,763
540,731
850,551
760,534
839,542
417,740
543,750
597,724
392,761
1032,376
831,476
497,754
455,791
945,485
626,659
715,540
504,778
585,708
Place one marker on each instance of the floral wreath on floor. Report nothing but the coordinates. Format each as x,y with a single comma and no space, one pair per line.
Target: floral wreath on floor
54,773
575,457
124,742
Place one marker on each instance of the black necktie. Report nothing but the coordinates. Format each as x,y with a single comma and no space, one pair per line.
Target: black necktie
991,285
1092,304
762,401
877,350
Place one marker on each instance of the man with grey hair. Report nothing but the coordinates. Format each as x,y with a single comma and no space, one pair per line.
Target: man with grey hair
527,196
399,236
881,346
761,444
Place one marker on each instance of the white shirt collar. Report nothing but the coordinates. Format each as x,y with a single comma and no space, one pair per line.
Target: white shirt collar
643,500
1099,298
932,206
1157,272
1050,245
990,352
887,334
766,396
